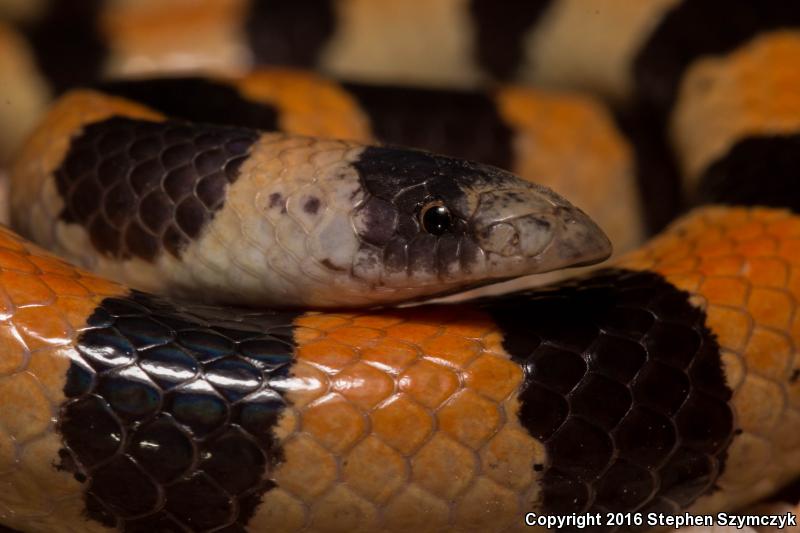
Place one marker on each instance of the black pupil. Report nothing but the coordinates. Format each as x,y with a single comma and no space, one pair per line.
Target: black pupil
436,220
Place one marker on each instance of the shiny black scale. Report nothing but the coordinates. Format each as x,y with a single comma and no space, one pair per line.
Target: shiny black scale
624,387
170,413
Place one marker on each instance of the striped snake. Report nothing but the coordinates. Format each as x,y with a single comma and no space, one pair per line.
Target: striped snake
227,356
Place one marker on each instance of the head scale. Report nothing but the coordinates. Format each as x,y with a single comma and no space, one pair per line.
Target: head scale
428,224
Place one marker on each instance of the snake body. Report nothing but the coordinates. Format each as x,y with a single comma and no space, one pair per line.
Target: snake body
668,382
276,219
143,413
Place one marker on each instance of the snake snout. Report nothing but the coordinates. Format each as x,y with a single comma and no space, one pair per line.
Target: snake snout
579,240
530,229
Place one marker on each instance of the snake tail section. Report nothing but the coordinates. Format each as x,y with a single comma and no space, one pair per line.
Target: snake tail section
556,43
749,155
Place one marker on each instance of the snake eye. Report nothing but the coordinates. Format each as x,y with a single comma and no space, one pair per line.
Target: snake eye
435,218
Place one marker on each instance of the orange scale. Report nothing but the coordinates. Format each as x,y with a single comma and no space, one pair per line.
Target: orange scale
416,509
390,354
22,393
101,286
494,377
26,289
769,353
762,246
703,233
307,470
453,349
414,332
402,423
767,271
793,281
40,327
747,232
14,351
306,384
328,353
363,385
771,307
738,218
6,307
65,286
469,418
725,291
76,310
334,422
53,265
428,383
729,265
444,467
713,248
493,343
486,505
374,470
759,404
732,326
681,266
49,365
15,261
354,335
509,458
784,228
789,249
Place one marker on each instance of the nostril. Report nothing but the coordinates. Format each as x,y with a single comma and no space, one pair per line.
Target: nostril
501,238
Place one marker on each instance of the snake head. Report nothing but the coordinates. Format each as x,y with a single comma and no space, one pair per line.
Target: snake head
349,225
429,224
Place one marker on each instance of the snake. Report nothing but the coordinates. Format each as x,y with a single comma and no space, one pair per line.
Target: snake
664,382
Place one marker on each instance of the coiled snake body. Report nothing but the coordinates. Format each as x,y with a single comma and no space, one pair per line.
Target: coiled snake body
666,382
